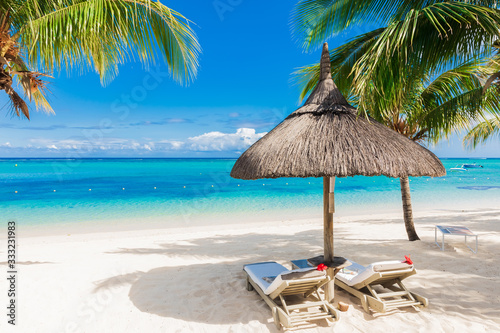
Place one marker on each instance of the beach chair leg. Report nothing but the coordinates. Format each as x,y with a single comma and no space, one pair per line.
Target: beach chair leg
283,319
279,316
441,246
334,312
374,301
362,296
470,248
375,304
423,301
403,287
326,306
249,285
276,318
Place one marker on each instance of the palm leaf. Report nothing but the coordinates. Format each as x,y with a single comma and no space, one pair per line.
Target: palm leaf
101,34
18,105
23,77
483,131
431,40
314,21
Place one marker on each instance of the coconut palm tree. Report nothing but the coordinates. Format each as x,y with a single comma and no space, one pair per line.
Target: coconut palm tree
38,37
400,74
432,107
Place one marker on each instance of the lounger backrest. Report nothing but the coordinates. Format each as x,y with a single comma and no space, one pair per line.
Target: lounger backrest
393,265
378,272
302,286
298,287
385,277
291,282
271,276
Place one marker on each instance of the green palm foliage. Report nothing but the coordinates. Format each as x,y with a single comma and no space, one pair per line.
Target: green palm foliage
490,125
483,131
431,106
42,36
314,21
429,35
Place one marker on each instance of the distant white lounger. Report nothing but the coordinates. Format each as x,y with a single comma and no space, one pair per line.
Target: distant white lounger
273,282
359,281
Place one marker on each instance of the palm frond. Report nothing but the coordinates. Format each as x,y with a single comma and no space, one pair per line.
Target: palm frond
432,39
101,34
34,88
453,82
483,131
314,21
18,105
459,112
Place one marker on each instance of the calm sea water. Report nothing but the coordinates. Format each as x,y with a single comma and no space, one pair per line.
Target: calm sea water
179,192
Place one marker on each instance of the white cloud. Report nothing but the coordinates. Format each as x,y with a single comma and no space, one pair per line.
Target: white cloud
176,120
207,142
218,141
176,144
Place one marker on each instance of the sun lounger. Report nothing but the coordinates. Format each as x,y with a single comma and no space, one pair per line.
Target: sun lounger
379,286
274,282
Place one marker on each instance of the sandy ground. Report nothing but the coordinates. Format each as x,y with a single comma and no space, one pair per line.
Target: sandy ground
192,281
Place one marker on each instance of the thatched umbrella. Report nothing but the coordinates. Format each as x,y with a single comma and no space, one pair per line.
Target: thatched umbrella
326,138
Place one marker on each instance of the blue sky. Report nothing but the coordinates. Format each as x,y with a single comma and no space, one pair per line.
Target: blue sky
242,91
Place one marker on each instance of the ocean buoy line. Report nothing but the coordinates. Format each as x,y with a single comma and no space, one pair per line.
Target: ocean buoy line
239,185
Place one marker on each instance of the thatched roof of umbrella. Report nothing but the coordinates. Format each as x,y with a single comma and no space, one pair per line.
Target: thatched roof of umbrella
326,137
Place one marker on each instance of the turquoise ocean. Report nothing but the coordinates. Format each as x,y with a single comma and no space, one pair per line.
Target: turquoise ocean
190,192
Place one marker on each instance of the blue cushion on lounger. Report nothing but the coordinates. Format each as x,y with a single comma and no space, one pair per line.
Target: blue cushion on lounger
270,275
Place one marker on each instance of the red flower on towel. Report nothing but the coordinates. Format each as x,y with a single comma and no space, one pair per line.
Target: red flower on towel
408,260
322,267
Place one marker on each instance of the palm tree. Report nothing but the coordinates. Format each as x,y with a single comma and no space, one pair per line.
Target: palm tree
435,105
395,73
40,36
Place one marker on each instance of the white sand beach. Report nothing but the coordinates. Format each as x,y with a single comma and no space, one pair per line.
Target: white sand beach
192,281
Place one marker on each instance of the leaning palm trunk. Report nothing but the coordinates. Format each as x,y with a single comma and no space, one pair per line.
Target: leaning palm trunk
407,211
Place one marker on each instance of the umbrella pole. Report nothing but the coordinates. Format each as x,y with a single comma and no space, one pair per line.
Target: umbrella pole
328,210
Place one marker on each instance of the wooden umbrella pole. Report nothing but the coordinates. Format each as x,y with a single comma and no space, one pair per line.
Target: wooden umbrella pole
328,209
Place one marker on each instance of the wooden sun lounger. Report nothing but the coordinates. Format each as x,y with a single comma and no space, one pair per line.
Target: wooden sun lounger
396,296
287,315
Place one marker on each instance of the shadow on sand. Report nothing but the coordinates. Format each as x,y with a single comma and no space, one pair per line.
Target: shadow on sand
215,293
